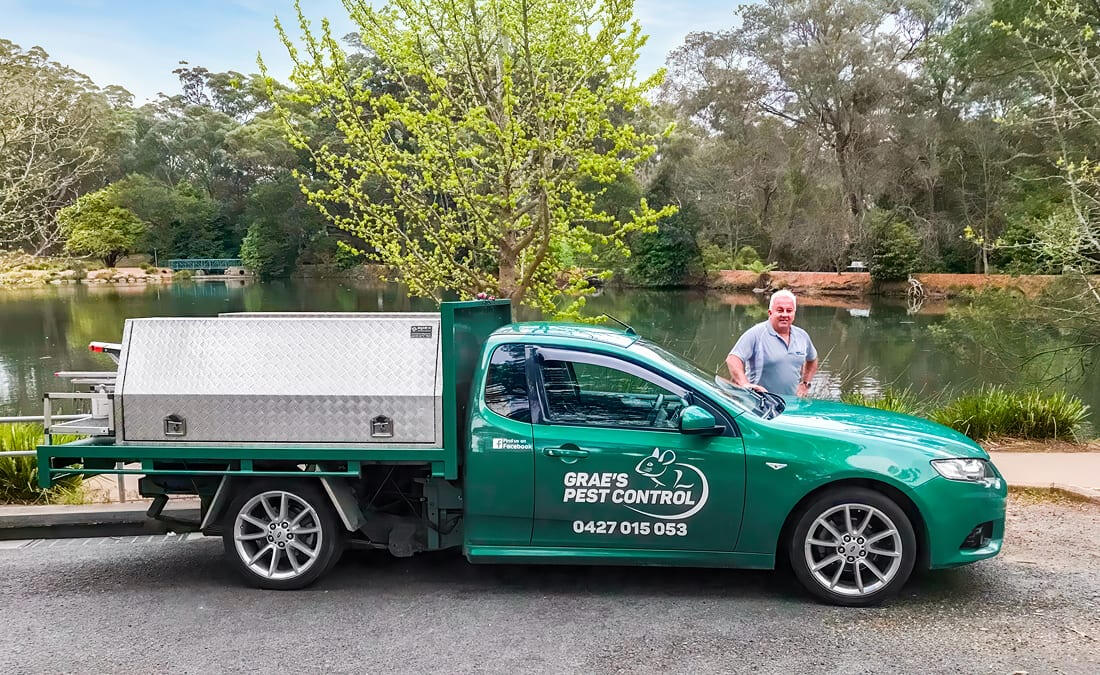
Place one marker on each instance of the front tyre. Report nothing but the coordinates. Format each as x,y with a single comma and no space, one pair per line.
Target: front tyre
853,547
281,535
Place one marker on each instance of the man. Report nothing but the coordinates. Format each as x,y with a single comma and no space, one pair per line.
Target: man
775,355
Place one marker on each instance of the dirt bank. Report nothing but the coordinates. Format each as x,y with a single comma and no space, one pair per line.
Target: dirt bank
860,283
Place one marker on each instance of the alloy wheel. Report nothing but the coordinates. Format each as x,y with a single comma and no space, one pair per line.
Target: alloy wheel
853,549
277,535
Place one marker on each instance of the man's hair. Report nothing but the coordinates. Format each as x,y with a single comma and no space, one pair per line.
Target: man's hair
782,294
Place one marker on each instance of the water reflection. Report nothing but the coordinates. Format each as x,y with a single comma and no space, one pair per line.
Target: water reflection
43,330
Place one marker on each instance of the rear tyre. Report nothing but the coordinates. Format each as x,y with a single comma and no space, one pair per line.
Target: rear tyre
852,547
281,535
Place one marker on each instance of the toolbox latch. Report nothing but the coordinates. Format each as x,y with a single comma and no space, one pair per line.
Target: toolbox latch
381,427
174,425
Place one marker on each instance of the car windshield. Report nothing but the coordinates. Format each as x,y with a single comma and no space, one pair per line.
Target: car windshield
764,405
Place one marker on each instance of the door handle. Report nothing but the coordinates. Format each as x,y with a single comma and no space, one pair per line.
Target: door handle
564,452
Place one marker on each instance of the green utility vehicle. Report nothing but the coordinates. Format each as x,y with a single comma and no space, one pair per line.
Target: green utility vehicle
303,434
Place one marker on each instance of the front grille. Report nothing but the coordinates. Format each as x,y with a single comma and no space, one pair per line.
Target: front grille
978,537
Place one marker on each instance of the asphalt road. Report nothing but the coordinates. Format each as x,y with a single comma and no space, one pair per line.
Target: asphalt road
106,605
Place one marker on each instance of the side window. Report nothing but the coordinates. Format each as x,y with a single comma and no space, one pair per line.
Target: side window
506,383
596,395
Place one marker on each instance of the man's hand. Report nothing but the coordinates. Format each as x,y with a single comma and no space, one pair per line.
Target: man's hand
756,387
802,390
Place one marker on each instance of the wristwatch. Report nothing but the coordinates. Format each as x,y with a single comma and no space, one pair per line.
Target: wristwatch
805,382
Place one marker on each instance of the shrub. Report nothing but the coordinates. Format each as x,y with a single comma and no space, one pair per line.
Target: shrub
993,412
759,267
183,275
895,249
19,475
715,258
894,400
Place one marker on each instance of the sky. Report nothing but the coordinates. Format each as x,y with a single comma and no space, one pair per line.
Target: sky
137,43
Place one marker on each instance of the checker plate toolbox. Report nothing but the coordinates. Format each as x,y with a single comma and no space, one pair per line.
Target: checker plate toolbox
312,379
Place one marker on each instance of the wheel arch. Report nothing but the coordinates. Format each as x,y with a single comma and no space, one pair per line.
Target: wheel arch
341,498
904,501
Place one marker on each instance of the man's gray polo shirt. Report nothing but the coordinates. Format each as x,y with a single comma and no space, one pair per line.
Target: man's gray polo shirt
771,362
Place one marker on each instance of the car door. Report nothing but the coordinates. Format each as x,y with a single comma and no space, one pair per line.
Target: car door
613,470
499,469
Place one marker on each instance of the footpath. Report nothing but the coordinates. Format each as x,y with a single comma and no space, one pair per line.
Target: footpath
1076,472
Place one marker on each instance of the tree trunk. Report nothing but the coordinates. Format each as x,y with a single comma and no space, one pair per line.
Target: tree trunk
506,276
110,259
506,268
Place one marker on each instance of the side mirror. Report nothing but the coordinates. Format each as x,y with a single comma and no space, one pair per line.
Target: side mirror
696,420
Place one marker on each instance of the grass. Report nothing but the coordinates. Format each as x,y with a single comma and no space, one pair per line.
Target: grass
19,475
992,412
1050,495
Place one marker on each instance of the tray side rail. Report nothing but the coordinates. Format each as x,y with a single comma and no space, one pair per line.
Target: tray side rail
100,456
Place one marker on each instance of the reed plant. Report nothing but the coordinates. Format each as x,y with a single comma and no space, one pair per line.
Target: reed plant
994,412
19,475
895,400
991,412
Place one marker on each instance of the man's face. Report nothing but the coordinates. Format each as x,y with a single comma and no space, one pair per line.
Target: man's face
781,314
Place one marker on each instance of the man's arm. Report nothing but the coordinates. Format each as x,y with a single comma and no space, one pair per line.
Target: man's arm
737,373
808,370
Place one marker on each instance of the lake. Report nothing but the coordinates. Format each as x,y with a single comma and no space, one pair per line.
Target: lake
864,345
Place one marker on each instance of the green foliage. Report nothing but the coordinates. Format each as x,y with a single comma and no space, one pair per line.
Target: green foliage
19,475
993,412
183,222
465,171
895,400
97,226
895,249
1057,43
183,275
759,267
990,412
667,257
716,259
281,226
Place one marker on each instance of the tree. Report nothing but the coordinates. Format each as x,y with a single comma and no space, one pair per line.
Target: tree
832,69
670,256
1060,41
281,226
469,177
182,221
55,128
895,250
95,225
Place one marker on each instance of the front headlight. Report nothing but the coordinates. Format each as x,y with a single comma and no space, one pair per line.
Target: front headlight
967,470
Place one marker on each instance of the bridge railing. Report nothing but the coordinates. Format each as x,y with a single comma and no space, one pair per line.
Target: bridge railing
203,263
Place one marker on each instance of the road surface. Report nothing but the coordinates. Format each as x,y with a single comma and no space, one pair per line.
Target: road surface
165,605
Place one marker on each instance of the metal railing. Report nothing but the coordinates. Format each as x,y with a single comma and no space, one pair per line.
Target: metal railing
36,418
16,419
204,263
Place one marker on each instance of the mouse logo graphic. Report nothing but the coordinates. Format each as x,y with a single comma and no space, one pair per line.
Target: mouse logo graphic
670,476
655,467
